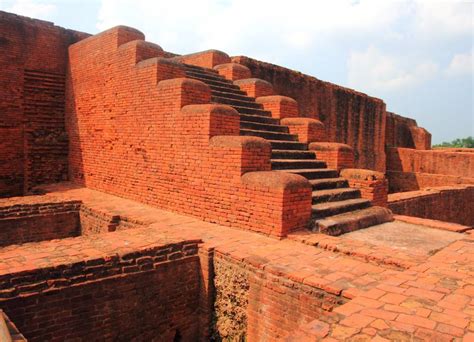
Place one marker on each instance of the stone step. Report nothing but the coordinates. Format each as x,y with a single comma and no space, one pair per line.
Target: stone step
232,96
329,183
226,90
223,83
333,195
207,76
354,220
315,173
292,154
253,111
291,164
200,69
269,135
234,102
334,208
263,127
288,145
258,119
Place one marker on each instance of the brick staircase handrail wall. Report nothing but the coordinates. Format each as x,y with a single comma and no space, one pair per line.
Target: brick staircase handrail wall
139,129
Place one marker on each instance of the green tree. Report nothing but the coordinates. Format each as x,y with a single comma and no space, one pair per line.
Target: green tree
460,143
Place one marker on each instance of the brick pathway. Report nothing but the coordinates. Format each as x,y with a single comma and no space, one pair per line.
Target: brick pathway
394,296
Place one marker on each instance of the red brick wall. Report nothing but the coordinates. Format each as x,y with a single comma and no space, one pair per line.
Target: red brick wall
143,295
32,135
372,184
404,132
410,169
350,117
261,306
136,133
38,228
451,204
278,306
38,222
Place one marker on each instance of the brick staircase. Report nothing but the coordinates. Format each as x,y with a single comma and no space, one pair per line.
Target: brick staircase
336,208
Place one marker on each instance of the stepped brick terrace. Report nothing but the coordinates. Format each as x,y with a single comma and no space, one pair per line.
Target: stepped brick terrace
150,196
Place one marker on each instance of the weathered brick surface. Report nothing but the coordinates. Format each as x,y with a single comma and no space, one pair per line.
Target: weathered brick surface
135,292
372,184
205,59
449,203
404,132
410,169
337,156
307,130
384,292
139,132
350,117
44,221
233,71
255,87
281,107
32,135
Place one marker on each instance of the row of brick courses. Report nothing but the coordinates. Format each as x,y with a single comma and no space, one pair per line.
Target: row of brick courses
350,117
119,286
32,222
410,170
34,228
372,184
448,203
32,135
404,132
264,303
137,134
22,223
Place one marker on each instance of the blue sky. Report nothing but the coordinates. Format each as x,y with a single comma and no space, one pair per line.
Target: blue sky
416,55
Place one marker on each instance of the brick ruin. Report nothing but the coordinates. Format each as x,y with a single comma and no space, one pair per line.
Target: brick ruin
152,196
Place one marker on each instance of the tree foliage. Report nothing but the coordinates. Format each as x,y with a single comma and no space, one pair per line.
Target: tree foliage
463,142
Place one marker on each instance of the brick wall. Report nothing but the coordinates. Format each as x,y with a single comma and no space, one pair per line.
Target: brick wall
141,295
350,117
372,184
410,169
21,224
139,130
404,132
449,203
32,135
256,305
279,306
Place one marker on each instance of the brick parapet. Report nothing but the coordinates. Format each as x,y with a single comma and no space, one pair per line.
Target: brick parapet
445,203
308,130
337,156
281,107
255,87
233,71
372,184
88,259
204,59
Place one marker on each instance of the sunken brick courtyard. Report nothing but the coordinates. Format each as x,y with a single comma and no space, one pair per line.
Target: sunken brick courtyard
150,196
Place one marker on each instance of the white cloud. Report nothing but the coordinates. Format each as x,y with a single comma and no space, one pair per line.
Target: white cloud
444,17
235,24
33,9
373,71
461,64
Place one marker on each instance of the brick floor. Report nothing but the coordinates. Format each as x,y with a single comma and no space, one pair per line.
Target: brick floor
394,295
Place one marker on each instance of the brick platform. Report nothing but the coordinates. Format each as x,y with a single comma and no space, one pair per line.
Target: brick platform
369,290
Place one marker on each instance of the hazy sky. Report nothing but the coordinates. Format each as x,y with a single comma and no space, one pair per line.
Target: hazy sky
415,55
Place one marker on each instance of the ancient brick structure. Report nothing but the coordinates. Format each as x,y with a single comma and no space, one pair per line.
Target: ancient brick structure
196,197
